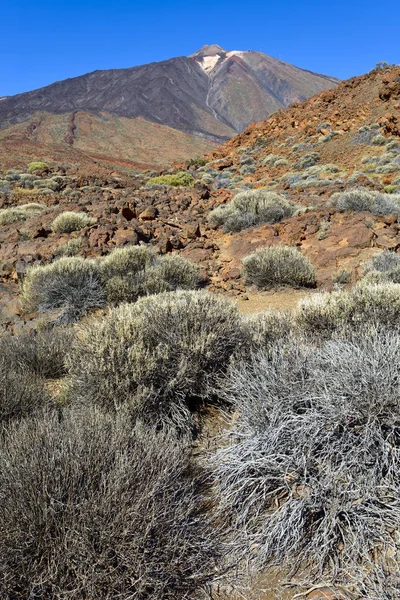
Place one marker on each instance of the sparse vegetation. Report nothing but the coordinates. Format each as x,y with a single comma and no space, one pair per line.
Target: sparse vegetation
20,213
279,265
70,221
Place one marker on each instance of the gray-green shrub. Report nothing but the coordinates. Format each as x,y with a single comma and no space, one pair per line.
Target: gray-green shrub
252,208
20,213
160,356
70,284
22,392
360,199
279,265
70,248
69,221
365,305
308,479
93,508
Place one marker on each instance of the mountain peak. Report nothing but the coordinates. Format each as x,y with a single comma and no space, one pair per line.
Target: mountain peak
209,50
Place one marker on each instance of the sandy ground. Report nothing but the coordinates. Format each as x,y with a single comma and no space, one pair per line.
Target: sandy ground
276,299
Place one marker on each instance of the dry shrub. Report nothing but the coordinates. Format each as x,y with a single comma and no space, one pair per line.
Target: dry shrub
75,284
360,199
70,221
91,508
22,392
383,267
365,305
310,481
40,352
159,355
70,284
279,265
20,213
252,208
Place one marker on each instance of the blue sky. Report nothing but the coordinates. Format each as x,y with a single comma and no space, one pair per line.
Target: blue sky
46,41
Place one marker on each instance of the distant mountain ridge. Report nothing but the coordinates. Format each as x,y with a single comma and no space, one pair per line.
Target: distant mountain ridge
212,94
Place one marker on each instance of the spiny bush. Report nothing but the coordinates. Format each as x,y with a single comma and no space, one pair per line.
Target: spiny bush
252,208
71,284
182,178
310,479
279,265
365,305
37,166
91,508
159,355
41,352
20,213
70,221
359,199
70,248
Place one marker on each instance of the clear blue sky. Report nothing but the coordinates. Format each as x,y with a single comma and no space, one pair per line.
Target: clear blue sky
45,41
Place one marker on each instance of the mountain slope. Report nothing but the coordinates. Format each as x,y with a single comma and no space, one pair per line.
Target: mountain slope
211,95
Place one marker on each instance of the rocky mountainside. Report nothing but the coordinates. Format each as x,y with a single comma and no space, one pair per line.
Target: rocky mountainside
210,96
337,141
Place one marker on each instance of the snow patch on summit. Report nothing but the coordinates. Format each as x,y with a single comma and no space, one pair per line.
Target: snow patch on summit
207,63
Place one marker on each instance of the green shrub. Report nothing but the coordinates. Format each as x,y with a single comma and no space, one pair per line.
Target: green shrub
251,208
70,248
135,271
20,213
70,221
365,305
70,284
93,508
279,265
159,356
379,140
197,162
182,178
37,166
